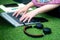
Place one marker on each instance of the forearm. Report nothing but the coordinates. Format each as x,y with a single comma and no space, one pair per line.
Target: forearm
46,8
29,5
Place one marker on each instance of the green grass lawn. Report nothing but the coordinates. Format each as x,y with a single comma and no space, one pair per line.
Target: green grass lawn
8,32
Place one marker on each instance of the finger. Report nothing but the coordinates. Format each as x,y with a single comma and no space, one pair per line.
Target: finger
29,20
14,13
17,14
26,19
23,17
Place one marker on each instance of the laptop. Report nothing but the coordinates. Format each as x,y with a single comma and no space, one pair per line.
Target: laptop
16,22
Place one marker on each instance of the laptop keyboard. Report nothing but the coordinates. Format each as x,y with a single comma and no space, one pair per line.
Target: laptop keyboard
17,18
35,19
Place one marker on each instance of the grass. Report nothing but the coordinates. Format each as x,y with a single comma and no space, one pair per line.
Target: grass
8,32
6,1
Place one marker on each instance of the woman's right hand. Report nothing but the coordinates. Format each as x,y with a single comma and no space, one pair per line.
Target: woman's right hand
21,11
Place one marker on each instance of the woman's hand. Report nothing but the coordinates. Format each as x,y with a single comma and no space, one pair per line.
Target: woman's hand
21,11
28,16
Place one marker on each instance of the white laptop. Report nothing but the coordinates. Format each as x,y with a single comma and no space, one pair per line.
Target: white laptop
15,21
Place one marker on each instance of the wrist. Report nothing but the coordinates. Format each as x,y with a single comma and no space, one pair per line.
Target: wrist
29,5
37,11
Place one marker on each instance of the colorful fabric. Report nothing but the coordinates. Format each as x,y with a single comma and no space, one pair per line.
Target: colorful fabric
39,3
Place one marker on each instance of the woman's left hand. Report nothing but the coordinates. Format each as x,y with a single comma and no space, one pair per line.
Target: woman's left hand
28,16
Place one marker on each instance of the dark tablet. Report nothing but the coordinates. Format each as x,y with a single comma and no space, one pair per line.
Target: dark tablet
11,5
